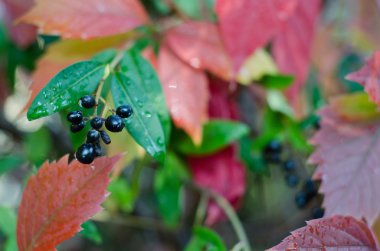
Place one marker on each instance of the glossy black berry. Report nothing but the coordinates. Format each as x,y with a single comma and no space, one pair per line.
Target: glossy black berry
317,212
75,117
289,165
98,149
87,101
96,123
114,123
301,199
273,146
292,180
85,153
124,111
77,127
310,188
105,137
93,136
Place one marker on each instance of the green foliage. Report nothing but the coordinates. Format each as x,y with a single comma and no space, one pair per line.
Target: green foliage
8,227
279,82
205,239
66,88
10,162
167,184
195,9
105,56
217,134
144,126
122,196
38,153
91,232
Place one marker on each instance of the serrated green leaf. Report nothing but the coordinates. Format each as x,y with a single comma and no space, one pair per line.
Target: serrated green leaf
142,73
167,185
66,88
91,232
10,162
144,126
205,239
217,134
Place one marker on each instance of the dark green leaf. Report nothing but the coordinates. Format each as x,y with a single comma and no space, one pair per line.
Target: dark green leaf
205,239
253,159
348,64
66,88
142,73
167,184
37,153
276,81
217,134
144,126
10,162
122,197
105,56
91,232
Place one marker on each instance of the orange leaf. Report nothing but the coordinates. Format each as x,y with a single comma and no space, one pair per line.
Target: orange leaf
86,19
59,199
186,93
199,44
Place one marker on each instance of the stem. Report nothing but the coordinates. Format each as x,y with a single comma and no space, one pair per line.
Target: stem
135,179
231,214
201,210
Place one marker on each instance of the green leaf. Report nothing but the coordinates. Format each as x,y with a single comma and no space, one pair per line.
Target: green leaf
216,135
91,232
141,72
121,196
105,56
10,162
144,126
38,153
7,221
66,88
279,82
205,239
167,185
253,159
196,8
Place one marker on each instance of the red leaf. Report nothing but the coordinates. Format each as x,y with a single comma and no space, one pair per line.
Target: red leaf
292,45
22,34
348,165
199,44
335,233
368,76
186,93
86,19
222,173
249,24
222,103
59,199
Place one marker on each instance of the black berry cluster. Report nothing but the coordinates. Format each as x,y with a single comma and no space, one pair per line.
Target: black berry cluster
88,151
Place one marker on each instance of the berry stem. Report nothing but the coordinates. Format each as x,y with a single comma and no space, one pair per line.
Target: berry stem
201,209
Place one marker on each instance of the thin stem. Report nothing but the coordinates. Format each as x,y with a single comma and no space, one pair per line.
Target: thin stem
201,209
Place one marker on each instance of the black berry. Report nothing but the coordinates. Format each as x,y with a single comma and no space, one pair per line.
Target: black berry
292,180
105,137
93,136
87,101
289,165
317,212
98,149
75,117
114,123
310,188
77,127
273,146
301,199
96,123
85,153
124,111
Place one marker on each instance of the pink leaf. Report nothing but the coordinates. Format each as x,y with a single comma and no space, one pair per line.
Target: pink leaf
186,93
199,44
59,199
335,233
368,76
249,24
222,173
292,44
348,160
86,18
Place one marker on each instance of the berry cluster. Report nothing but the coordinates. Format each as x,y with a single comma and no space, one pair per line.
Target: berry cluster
272,154
88,151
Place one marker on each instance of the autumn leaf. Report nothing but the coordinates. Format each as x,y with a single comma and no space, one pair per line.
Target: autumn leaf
246,25
291,50
334,233
58,199
368,76
348,162
86,19
199,44
186,93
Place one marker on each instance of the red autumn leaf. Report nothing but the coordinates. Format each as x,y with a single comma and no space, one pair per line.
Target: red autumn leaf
199,44
335,233
368,76
222,173
347,156
186,93
59,199
292,45
22,34
86,19
249,24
